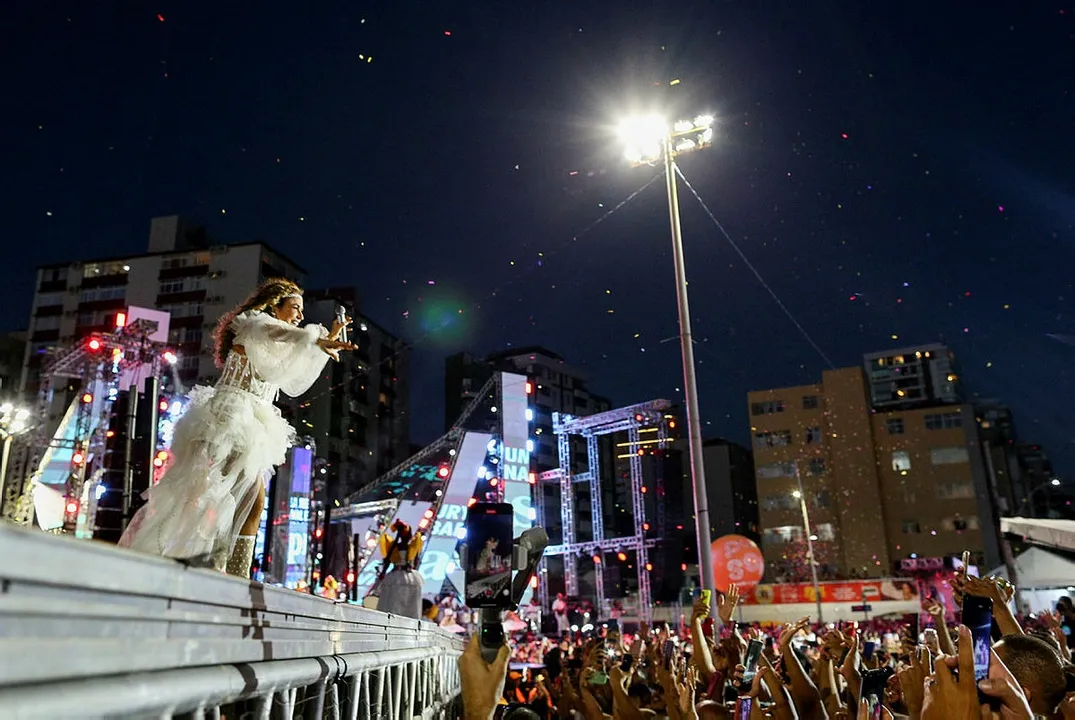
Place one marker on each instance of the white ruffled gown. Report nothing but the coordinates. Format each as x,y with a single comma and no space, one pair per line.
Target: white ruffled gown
230,439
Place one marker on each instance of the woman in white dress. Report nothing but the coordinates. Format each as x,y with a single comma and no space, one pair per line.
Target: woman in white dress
207,507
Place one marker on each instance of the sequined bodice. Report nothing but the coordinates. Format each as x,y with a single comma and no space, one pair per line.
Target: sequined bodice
238,374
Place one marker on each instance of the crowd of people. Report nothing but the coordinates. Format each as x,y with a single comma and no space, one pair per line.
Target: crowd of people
804,670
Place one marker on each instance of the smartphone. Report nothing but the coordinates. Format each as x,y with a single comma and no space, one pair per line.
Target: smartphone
743,706
707,597
873,690
489,553
627,663
599,678
667,650
751,663
978,617
868,649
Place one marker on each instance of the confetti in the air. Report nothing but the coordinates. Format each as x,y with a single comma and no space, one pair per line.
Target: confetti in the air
160,17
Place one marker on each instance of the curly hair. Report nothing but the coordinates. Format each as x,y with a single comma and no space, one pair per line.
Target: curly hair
269,295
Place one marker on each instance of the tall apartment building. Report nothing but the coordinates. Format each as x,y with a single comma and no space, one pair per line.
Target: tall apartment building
558,388
890,460
358,413
732,489
184,272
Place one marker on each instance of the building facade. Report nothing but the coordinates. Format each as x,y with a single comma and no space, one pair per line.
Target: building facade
184,272
732,489
358,412
889,471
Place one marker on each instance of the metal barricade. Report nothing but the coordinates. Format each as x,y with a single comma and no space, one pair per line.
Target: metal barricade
88,630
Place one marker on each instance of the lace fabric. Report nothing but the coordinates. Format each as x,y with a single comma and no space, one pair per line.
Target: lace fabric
238,374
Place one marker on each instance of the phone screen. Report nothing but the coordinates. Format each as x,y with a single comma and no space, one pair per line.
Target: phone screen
868,649
751,661
873,690
743,706
489,552
978,617
707,597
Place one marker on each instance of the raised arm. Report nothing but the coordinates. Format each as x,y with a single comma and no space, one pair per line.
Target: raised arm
282,354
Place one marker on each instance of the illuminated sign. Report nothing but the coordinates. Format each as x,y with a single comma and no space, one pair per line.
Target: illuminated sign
298,524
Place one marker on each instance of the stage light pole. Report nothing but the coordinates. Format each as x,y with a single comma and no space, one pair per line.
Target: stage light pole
13,421
648,141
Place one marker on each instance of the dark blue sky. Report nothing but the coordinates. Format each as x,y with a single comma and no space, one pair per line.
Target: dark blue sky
915,156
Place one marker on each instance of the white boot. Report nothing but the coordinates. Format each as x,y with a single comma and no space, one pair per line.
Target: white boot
242,557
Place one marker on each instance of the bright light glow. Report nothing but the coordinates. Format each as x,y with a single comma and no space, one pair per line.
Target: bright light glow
529,414
622,557
461,532
492,409
685,144
99,491
6,408
530,446
642,138
451,453
95,344
443,471
491,447
529,388
77,458
482,472
121,319
796,494
1055,481
170,357
87,398
704,121
163,405
176,408
72,507
531,513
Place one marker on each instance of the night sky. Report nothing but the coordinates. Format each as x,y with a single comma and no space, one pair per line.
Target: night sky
892,170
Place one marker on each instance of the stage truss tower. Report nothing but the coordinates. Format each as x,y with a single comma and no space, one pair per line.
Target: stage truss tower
631,420
99,364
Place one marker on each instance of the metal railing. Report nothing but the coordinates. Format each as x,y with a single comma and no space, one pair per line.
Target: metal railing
88,630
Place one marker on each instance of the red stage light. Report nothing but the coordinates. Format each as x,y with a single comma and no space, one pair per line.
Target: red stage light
72,507
317,533
350,577
87,398
94,344
532,478
78,458
121,319
442,471
622,556
596,559
534,582
163,405
529,388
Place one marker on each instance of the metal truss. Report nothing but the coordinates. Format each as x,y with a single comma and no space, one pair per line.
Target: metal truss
126,349
628,419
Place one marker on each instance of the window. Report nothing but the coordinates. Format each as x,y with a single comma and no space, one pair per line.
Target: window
767,408
49,299
911,527
817,466
813,435
782,501
944,421
104,293
782,534
821,499
775,470
49,322
949,455
895,426
171,286
777,438
825,532
901,461
178,285
954,491
810,402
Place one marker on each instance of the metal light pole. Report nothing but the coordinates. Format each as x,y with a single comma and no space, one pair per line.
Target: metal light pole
647,140
809,541
690,382
13,421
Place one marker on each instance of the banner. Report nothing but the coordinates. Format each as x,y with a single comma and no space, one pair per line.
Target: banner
846,591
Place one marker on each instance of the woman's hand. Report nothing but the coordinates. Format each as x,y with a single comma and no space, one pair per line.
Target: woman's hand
333,347
339,326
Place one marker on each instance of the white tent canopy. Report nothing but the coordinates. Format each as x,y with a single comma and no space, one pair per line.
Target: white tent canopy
1051,533
1040,569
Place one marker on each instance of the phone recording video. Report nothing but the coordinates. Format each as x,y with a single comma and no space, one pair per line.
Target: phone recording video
489,555
743,706
873,690
978,617
750,663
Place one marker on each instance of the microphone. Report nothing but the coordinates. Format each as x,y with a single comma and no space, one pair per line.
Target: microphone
341,316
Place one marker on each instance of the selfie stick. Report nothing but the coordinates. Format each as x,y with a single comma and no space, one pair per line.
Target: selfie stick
528,551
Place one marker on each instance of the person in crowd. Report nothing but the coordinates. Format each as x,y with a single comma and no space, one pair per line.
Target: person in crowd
207,507
399,590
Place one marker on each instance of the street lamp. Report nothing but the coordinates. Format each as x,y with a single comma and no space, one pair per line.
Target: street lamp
13,421
801,497
648,140
1053,482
